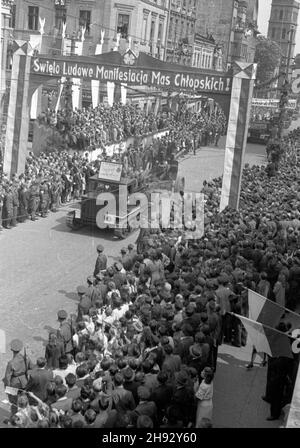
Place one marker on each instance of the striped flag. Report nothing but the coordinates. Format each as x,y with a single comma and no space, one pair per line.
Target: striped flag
269,313
267,340
240,106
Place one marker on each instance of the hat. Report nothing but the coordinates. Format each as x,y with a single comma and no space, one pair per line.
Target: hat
16,345
62,314
123,250
90,279
100,248
195,351
81,289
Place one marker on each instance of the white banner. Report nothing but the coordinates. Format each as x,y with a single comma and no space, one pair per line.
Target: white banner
95,85
123,94
110,93
76,82
36,44
272,103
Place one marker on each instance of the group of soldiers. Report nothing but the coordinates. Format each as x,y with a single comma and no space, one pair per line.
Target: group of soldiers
21,199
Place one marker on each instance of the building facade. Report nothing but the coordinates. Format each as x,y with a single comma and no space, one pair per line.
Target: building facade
232,24
145,21
283,26
206,54
181,31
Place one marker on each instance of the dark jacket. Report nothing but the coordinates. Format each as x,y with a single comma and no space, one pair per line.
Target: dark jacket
38,381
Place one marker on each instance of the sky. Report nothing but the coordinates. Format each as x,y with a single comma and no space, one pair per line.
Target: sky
263,21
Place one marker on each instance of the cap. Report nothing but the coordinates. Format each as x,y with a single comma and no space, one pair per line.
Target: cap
90,279
62,314
100,248
81,289
16,345
118,266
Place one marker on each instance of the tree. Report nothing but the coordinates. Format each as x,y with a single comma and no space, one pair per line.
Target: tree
267,56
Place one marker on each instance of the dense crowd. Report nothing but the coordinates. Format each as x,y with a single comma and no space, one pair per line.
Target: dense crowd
102,126
142,349
52,179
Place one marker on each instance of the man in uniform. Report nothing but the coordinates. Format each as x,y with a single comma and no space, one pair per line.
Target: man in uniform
34,199
65,331
85,302
8,207
16,374
23,202
15,195
1,204
101,262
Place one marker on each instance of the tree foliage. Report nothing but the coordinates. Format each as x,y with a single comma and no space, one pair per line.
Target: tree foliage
267,56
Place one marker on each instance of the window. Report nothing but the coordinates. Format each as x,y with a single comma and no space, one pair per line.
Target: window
60,17
123,25
273,32
85,20
283,33
281,14
145,22
160,31
152,30
33,18
12,19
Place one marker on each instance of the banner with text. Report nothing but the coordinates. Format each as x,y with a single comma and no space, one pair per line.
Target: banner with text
184,79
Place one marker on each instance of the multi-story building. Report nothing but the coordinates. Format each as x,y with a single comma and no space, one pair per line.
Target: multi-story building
181,31
206,55
145,21
283,26
232,24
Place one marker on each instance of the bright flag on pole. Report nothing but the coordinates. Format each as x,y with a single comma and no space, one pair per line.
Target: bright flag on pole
269,313
267,340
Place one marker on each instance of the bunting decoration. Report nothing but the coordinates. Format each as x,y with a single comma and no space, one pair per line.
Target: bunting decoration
111,85
76,82
95,84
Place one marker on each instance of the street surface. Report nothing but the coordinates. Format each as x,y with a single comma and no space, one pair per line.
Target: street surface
42,263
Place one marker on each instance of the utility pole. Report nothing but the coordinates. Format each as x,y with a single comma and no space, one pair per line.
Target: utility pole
291,32
285,88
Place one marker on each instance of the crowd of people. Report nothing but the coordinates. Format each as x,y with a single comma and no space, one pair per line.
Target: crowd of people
102,126
141,350
55,178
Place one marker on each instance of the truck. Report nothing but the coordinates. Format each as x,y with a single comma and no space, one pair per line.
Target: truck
110,180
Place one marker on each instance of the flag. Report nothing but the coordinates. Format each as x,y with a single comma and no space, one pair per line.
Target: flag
266,339
270,313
